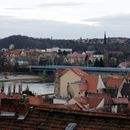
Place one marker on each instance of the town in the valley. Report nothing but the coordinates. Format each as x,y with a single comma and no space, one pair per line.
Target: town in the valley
64,64
79,100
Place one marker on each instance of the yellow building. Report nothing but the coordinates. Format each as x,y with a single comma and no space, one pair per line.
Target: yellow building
75,82
65,78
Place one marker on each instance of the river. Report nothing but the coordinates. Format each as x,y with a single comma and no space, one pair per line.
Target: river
37,88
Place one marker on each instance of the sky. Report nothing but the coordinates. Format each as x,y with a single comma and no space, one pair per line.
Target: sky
65,19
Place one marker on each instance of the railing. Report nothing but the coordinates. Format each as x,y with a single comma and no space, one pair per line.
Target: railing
89,69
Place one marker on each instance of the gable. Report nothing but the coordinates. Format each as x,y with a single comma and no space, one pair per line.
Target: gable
70,76
100,84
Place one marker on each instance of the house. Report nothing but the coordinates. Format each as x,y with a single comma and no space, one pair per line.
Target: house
125,92
119,105
90,83
127,77
97,57
114,85
107,99
93,83
76,58
65,78
88,103
75,82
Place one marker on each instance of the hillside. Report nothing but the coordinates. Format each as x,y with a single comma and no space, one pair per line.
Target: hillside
113,44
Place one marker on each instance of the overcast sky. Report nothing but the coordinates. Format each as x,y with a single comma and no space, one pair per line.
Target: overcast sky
65,18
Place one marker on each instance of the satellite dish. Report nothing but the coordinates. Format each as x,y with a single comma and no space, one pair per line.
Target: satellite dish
70,91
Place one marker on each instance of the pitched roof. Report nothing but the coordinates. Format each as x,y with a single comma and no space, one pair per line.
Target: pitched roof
35,100
22,109
15,96
52,118
77,71
114,82
75,55
63,106
107,97
2,95
9,105
91,81
126,89
124,64
120,100
92,102
127,76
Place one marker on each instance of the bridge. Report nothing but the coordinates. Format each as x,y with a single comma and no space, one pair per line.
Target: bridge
88,69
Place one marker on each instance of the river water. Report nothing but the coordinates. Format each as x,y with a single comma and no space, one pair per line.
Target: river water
37,88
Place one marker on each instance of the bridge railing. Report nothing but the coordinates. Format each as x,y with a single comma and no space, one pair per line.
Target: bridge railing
90,69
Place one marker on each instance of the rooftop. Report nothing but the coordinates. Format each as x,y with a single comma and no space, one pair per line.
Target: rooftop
51,117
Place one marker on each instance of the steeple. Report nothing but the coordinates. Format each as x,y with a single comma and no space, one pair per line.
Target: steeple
105,42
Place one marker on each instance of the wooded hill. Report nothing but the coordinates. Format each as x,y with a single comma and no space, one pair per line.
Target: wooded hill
24,42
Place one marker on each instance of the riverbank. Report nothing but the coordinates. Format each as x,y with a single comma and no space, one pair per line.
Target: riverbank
20,77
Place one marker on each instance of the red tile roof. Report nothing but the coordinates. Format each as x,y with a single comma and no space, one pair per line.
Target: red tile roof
77,71
9,105
15,96
22,109
92,102
106,96
114,82
49,118
91,81
120,100
127,76
63,106
2,95
35,100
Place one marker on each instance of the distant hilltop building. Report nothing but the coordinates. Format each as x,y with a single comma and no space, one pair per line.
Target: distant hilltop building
11,46
56,49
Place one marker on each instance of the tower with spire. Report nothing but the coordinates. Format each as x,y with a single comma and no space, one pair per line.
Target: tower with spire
105,41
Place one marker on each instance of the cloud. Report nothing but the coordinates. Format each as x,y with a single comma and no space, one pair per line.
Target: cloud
121,20
114,25
62,4
19,8
47,28
43,28
4,18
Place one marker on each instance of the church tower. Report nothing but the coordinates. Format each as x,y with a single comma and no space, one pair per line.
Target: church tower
105,41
